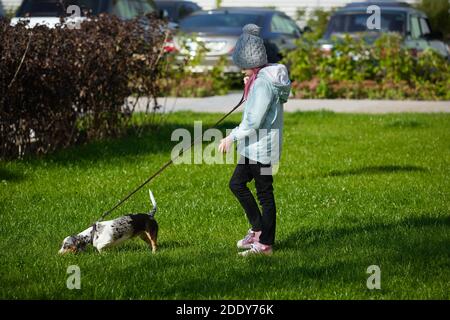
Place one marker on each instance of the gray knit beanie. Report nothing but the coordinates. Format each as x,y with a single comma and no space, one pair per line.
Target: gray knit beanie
250,51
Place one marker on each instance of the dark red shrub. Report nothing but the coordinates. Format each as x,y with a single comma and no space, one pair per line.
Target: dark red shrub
56,83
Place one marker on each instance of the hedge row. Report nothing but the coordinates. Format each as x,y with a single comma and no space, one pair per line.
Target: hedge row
61,85
355,69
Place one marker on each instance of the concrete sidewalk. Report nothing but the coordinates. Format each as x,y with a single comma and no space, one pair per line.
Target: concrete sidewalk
223,104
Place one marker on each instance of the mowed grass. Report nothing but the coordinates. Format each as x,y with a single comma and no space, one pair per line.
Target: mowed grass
352,191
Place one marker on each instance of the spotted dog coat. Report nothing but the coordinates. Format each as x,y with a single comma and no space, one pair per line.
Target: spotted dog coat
113,232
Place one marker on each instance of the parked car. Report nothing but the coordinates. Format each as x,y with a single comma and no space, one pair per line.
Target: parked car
220,29
399,17
175,10
48,12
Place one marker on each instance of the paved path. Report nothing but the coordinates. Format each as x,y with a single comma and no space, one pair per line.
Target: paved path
225,103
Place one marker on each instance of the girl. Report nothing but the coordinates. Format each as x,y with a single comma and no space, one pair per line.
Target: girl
259,137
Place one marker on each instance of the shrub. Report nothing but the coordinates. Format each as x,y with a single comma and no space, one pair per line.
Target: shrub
61,85
355,69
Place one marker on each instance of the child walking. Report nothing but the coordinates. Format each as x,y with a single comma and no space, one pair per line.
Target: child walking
259,137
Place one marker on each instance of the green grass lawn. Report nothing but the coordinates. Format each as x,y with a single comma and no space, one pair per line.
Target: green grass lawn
352,191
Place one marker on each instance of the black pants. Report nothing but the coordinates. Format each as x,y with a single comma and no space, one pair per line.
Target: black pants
265,221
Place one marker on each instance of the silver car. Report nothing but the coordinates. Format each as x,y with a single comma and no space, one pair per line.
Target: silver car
399,17
218,30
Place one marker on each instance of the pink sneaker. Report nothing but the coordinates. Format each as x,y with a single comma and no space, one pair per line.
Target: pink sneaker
257,248
249,239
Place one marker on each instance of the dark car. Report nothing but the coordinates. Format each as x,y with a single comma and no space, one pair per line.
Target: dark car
398,17
47,12
175,10
220,29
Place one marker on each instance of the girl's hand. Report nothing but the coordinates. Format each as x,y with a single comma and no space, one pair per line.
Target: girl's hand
225,144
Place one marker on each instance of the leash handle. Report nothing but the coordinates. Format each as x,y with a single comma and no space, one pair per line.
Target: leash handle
168,163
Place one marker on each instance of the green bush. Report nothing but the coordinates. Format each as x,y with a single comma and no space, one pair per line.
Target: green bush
355,69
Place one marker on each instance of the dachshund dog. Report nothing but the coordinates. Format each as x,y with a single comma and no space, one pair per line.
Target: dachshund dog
110,233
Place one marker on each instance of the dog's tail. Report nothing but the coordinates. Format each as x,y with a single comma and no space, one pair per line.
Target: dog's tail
153,201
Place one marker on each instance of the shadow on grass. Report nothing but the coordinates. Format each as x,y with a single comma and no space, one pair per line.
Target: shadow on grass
138,245
313,236
318,266
370,170
310,263
150,141
405,123
9,175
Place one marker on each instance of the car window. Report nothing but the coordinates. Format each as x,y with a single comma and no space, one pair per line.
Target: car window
282,24
146,7
219,20
415,28
357,22
424,26
121,9
126,9
337,24
185,10
136,8
293,26
194,7
169,7
56,8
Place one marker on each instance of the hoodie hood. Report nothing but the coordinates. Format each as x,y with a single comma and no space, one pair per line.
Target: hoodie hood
278,76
